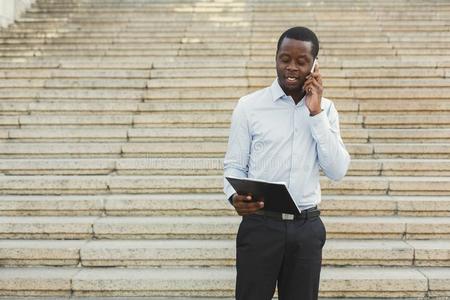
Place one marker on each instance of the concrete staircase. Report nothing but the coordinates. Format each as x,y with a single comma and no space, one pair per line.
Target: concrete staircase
114,121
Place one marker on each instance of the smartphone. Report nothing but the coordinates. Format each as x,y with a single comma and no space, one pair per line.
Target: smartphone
312,69
313,66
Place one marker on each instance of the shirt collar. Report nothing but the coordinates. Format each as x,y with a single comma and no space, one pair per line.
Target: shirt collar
278,93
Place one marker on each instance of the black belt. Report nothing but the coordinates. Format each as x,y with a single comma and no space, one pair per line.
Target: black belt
305,214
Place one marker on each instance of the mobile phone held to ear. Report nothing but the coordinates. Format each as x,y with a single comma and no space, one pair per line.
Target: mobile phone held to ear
310,72
313,66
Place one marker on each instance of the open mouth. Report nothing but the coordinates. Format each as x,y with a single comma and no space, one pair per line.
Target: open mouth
292,79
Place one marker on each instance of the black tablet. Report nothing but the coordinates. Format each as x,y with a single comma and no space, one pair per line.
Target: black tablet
275,195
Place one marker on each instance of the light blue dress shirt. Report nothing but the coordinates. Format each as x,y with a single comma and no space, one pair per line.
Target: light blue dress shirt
272,138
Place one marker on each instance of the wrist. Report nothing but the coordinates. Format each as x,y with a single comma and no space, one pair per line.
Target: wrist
313,113
231,199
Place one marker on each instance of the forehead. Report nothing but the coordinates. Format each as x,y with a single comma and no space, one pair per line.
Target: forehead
295,47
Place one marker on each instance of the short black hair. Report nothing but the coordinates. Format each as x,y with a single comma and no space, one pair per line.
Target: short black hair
301,34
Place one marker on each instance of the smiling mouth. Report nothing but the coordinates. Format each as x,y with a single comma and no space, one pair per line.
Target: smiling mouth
291,79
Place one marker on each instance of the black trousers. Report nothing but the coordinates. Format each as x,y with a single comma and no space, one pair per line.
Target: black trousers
274,253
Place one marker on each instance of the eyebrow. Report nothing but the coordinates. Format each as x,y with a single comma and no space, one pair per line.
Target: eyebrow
301,56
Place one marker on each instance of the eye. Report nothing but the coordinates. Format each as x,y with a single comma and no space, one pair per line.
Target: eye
285,59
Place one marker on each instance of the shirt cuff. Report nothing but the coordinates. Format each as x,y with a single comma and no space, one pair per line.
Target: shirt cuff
230,199
229,191
320,126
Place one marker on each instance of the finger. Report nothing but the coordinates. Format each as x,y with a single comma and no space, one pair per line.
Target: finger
247,211
308,80
316,86
248,198
314,76
243,198
308,87
313,81
252,205
318,78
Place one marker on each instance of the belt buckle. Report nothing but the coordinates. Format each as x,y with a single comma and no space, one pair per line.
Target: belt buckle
287,216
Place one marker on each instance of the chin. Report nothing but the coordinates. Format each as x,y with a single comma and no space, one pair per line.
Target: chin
295,88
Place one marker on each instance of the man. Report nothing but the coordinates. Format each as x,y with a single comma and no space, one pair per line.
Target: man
285,132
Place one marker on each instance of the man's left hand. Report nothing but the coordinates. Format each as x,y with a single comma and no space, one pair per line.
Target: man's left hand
314,89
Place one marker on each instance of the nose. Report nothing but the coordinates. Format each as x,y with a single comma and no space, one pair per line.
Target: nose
292,66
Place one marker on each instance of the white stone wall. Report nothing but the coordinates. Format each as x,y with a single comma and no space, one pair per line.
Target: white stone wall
11,10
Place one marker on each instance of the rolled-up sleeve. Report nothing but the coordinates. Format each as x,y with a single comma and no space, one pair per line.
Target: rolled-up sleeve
332,155
238,150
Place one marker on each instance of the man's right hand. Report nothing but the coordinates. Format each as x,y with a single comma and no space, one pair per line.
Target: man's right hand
245,205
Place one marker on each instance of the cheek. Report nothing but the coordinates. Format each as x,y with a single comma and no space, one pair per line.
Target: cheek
280,69
279,73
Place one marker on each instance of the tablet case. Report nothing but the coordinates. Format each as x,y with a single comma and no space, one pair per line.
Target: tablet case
275,194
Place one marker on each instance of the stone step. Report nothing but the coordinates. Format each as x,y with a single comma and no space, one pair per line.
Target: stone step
56,65
75,83
156,119
109,15
330,8
69,134
197,253
202,93
258,82
358,75
392,93
210,205
357,63
216,149
211,227
196,33
72,94
84,108
200,31
197,133
412,94
391,107
77,38
76,120
406,134
61,150
391,282
329,5
227,62
82,74
161,119
406,121
141,24
367,205
42,41
217,119
261,47
347,53
203,166
204,149
134,184
267,27
403,107
386,107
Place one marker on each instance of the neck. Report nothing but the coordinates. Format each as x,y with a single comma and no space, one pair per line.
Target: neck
297,96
